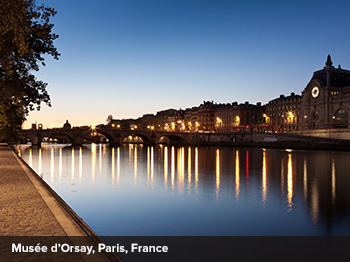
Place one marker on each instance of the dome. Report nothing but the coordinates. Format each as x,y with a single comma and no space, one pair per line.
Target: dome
67,125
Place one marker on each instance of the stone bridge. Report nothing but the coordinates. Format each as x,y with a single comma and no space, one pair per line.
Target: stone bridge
77,135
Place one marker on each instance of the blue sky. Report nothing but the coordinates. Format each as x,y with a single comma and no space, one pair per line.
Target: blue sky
131,57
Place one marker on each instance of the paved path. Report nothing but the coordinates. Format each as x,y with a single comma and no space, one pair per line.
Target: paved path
23,212
27,208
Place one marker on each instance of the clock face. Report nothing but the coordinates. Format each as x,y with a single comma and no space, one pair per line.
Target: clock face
315,91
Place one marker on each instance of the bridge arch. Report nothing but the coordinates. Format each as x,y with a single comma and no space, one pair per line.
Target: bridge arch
145,139
113,139
171,139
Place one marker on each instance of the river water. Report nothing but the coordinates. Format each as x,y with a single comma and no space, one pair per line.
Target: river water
139,190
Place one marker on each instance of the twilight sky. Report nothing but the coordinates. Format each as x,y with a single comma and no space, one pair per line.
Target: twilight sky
132,57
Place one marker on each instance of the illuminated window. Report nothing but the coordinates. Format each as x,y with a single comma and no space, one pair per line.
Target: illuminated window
340,118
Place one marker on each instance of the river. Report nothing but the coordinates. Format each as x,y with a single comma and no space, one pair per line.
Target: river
139,190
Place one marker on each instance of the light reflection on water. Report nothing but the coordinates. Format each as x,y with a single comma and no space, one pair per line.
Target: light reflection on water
149,190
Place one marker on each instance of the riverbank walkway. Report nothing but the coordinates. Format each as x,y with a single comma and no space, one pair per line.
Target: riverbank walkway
29,208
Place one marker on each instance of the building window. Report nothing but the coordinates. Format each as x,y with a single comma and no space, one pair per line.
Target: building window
340,118
334,93
315,116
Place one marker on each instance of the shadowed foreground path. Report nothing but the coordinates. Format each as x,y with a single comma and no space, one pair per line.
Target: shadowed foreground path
28,208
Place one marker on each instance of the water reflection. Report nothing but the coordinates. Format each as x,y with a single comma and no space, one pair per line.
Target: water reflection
52,165
290,182
113,166
172,168
40,162
217,162
135,164
196,169
80,163
247,166
264,178
314,183
237,179
314,203
166,167
30,158
93,162
333,180
305,179
152,165
118,165
100,158
189,165
60,165
72,165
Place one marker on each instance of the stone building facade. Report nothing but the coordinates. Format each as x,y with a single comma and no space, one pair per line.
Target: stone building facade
236,117
283,114
326,99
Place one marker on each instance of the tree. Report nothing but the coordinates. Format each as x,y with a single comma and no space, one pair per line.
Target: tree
25,38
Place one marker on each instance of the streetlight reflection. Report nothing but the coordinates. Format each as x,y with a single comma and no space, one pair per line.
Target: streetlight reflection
148,163
135,164
264,178
113,166
196,168
165,166
60,165
305,180
30,158
52,165
237,175
333,181
80,163
93,162
172,168
217,173
290,182
72,165
118,165
40,162
100,158
152,165
189,170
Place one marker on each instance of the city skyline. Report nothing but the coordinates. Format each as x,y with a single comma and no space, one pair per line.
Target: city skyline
132,58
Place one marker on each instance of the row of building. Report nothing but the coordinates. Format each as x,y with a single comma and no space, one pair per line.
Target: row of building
323,104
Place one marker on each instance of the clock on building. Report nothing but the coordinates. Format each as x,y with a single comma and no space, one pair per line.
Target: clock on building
315,92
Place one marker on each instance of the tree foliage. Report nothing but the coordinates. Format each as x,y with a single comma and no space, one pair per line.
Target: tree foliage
26,37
